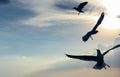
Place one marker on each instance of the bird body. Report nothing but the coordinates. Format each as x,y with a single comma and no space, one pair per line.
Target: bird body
99,58
80,7
79,10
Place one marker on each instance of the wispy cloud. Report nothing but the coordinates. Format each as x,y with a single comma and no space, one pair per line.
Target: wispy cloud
91,7
59,10
20,65
73,68
13,13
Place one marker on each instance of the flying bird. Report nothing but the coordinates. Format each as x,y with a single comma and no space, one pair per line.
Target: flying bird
80,7
99,58
93,31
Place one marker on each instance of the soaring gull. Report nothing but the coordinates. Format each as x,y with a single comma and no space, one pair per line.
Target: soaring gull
93,31
80,7
99,58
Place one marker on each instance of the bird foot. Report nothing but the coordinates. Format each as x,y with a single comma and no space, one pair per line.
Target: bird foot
105,67
91,38
108,66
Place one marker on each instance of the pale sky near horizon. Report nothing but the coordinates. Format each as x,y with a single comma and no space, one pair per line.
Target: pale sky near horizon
36,34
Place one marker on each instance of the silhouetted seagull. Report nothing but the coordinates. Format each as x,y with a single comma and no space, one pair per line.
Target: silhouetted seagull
99,58
80,7
93,31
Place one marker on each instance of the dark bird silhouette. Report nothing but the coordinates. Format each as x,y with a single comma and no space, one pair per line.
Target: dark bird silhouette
80,7
93,31
99,58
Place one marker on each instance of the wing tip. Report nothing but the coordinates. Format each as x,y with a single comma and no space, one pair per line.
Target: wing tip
103,14
85,2
67,55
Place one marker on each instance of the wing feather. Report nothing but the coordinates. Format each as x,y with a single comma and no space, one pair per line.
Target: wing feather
81,5
83,57
99,21
111,49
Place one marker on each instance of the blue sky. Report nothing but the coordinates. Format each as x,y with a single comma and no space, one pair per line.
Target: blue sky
35,35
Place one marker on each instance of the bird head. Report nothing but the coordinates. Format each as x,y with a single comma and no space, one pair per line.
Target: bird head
98,52
98,49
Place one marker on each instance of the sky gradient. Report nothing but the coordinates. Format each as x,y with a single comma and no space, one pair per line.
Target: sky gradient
36,34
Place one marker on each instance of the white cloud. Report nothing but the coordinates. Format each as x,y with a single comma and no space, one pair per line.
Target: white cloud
48,11
18,66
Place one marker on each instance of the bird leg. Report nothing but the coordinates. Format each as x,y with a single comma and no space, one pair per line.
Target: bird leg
105,67
91,37
78,13
108,65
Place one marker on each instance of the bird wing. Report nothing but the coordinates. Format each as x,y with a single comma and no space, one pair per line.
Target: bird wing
99,21
111,49
81,5
83,57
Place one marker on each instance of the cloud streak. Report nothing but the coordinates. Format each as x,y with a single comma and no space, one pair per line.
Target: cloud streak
89,8
70,69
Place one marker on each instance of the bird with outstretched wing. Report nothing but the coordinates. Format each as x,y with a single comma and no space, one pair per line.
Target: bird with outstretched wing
111,49
93,31
99,58
80,7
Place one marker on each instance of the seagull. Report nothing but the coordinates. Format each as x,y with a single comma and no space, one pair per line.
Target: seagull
99,58
80,7
93,31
